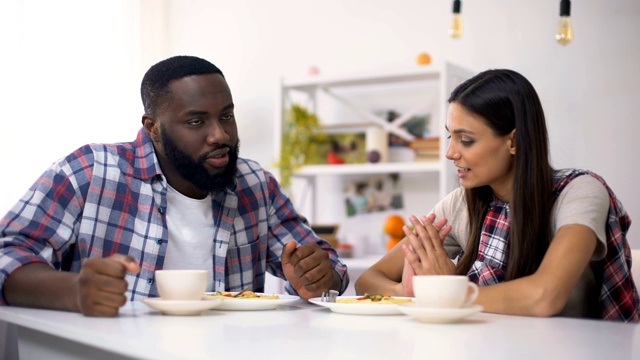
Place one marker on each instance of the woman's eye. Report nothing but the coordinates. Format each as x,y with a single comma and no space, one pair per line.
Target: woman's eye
466,142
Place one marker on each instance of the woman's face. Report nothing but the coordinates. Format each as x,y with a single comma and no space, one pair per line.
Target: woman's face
481,156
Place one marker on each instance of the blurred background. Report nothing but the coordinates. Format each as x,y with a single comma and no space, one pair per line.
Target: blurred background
70,69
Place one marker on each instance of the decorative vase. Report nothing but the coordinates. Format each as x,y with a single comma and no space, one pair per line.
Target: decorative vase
377,145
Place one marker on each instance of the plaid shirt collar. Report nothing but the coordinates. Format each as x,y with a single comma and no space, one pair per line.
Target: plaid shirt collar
142,163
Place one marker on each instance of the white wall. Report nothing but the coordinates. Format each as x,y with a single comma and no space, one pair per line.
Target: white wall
70,71
589,89
69,74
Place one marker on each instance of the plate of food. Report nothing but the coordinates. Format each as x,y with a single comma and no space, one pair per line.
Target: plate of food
249,300
365,305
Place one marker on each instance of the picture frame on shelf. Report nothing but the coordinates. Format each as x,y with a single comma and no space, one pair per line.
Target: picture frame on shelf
373,194
337,149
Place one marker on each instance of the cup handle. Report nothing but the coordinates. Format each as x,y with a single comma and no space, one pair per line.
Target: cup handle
474,294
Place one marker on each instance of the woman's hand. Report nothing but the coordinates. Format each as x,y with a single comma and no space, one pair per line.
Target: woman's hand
424,254
407,279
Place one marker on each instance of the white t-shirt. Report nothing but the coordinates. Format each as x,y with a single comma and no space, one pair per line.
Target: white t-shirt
191,228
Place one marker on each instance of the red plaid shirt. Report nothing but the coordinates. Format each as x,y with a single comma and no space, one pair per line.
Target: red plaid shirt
618,297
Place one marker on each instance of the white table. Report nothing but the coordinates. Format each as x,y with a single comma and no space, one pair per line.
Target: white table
306,331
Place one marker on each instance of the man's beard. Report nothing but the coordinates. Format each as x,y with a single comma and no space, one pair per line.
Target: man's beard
195,172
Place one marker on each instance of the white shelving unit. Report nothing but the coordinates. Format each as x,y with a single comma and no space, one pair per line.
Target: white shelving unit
436,81
427,90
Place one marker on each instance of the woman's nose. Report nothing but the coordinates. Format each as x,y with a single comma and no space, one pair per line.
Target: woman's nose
451,153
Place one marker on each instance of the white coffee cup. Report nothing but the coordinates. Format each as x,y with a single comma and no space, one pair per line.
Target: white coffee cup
181,284
444,291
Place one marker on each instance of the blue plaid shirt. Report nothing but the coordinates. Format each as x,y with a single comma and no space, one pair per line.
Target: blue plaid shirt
105,199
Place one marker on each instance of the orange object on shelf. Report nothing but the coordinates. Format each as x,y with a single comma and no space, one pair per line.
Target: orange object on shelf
424,59
392,242
393,227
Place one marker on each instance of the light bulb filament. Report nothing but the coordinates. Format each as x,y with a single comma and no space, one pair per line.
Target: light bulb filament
456,24
456,29
565,32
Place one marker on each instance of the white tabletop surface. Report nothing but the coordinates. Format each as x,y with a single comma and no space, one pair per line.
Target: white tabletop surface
306,331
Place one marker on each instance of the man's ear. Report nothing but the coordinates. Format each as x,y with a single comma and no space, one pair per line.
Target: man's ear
152,127
512,142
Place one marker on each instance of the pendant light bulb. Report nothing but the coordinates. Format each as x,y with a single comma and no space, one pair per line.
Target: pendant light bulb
456,29
565,31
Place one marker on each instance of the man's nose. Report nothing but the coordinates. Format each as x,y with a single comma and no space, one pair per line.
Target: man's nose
216,133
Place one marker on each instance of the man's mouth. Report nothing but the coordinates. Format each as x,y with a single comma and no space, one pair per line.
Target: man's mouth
215,153
218,153
218,157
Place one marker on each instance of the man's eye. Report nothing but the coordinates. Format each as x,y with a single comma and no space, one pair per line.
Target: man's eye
194,122
227,117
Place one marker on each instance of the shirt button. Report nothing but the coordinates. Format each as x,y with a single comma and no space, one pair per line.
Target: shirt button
149,281
159,241
161,210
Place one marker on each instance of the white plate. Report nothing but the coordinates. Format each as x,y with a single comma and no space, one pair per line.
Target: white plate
181,307
360,309
254,304
438,315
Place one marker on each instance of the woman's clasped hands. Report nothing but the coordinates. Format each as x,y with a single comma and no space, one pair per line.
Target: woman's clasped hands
424,251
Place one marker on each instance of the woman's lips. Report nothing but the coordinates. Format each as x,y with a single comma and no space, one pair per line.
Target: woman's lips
462,172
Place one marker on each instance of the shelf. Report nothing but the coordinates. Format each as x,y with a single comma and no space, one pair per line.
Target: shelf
359,169
310,83
352,102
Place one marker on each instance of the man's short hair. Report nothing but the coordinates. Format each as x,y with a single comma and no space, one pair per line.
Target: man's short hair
155,83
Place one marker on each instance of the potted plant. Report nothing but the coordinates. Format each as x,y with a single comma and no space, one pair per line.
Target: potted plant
300,139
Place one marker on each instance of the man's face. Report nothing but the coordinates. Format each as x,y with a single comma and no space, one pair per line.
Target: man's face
196,136
195,171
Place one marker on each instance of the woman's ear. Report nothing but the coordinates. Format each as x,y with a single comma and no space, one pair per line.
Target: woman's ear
512,142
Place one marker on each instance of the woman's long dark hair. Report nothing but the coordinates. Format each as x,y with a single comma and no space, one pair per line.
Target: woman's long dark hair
506,100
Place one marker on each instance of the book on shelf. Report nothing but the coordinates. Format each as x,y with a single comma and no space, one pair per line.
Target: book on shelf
427,157
426,149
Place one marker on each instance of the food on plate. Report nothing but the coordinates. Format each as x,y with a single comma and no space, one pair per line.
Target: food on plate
241,295
374,299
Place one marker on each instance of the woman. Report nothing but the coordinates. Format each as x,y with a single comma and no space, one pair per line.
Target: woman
539,241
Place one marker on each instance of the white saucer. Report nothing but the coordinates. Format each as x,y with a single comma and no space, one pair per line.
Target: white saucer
438,315
181,307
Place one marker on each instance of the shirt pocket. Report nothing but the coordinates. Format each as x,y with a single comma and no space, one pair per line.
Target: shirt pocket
245,264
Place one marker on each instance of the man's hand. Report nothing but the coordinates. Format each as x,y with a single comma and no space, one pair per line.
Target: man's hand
309,269
100,286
